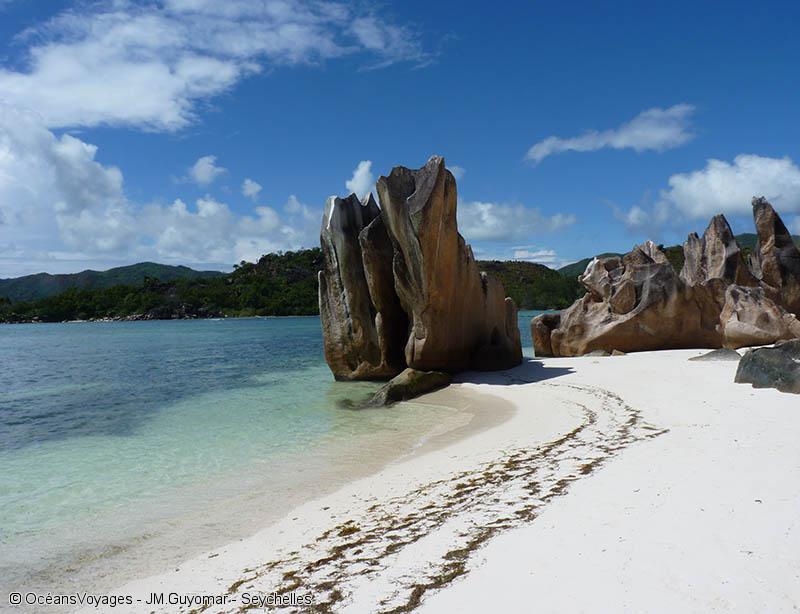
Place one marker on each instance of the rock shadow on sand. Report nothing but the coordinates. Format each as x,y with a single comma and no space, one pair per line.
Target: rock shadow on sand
529,371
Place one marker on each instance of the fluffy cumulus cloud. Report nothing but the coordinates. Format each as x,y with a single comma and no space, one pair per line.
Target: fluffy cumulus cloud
720,187
61,209
251,189
488,221
150,64
362,182
533,254
654,129
206,170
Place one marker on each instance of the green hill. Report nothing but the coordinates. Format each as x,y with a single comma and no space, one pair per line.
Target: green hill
533,286
41,285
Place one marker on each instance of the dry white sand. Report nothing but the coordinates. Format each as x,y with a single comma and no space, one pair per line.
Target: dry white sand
641,483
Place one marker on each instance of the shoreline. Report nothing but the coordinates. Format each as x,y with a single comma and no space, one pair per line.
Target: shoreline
148,549
464,526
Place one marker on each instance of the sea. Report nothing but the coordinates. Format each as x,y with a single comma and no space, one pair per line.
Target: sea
127,447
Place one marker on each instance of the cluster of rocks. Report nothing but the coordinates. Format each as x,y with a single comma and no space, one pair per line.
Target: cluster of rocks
719,300
401,289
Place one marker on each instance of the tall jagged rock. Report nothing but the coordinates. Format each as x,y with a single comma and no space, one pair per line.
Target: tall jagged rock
355,342
638,302
776,259
402,289
715,256
459,317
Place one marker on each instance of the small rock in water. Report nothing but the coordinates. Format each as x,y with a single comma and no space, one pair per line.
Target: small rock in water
774,367
723,354
410,384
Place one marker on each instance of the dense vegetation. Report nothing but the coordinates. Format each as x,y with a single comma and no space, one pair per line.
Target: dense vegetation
41,285
276,285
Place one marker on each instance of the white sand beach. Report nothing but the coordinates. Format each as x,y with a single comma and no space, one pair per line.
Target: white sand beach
639,483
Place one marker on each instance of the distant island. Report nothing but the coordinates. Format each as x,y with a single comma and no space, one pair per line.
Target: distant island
282,284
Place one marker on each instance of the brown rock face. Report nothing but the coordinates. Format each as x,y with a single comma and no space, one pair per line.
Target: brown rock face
355,340
776,259
459,317
402,289
638,302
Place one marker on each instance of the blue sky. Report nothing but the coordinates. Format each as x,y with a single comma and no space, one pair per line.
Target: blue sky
128,129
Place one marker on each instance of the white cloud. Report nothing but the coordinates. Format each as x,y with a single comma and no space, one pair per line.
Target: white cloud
149,64
655,129
251,188
62,209
486,221
720,187
362,182
541,256
457,171
205,170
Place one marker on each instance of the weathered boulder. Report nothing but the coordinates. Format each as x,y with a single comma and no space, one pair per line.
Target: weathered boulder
402,289
776,367
776,259
459,317
632,303
720,355
352,345
638,301
542,327
749,317
409,384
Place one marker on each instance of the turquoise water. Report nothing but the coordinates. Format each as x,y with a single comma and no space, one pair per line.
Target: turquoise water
123,442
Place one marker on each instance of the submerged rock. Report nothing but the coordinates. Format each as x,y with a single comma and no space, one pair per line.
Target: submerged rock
720,355
638,302
410,384
776,367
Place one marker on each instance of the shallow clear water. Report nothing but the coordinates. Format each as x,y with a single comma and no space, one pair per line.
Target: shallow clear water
112,435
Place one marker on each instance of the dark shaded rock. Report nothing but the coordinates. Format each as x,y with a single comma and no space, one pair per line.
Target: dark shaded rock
542,327
352,346
776,259
459,318
777,367
410,384
722,354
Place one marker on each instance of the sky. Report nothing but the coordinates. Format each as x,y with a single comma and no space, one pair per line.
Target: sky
204,133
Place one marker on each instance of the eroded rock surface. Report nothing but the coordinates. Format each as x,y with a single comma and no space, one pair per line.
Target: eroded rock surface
638,302
401,287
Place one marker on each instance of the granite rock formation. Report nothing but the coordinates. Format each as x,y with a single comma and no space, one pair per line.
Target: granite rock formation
402,289
638,302
357,342
777,367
